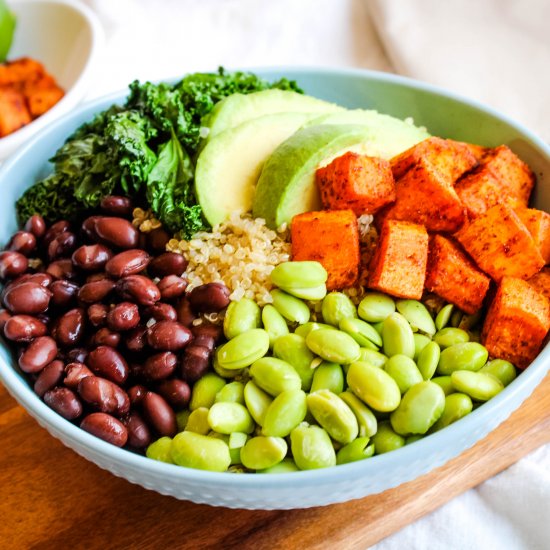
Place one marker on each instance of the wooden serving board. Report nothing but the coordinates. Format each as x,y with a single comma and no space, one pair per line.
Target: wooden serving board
52,498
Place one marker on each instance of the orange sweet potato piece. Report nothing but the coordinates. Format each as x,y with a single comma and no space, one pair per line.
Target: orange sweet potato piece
541,281
399,263
330,237
13,111
516,323
450,158
452,275
42,95
500,244
538,224
501,177
20,70
426,196
361,183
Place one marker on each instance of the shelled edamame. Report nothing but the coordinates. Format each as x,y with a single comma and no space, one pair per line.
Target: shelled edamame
314,380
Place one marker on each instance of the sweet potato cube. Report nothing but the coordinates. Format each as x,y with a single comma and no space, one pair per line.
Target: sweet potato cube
13,111
399,263
516,323
452,275
20,70
427,197
450,158
361,183
500,244
501,177
541,281
330,237
538,224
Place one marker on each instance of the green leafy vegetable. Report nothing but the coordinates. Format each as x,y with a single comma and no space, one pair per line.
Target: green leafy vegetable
7,28
142,149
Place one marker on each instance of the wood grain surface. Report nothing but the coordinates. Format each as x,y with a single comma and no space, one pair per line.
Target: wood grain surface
52,498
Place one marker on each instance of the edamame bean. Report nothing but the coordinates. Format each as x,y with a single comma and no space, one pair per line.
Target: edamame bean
198,421
312,448
205,390
378,326
374,386
356,450
404,371
444,316
257,402
227,417
244,349
312,293
241,316
333,345
290,307
328,376
478,385
365,418
274,323
501,369
428,360
375,307
274,375
386,440
235,441
449,336
457,405
220,371
306,328
419,410
413,438
181,419
333,415
420,342
375,358
298,274
292,348
456,318
263,452
286,466
397,336
465,356
286,411
160,450
445,383
232,393
363,333
337,306
200,451
417,315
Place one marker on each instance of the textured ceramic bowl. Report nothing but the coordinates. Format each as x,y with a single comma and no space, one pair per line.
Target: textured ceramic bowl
443,114
65,36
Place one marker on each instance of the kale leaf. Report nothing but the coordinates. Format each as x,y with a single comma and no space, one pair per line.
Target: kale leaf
142,149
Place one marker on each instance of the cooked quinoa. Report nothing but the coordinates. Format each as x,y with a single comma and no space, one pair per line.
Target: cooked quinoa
240,252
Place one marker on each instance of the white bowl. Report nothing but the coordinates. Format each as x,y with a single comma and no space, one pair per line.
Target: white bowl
65,36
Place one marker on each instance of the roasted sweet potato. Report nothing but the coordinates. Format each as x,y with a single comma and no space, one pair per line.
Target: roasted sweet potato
42,95
450,158
18,71
501,177
516,323
361,183
500,244
13,111
399,263
426,196
538,224
330,237
452,275
541,281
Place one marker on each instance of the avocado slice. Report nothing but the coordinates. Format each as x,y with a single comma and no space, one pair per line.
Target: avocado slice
231,162
235,109
7,28
287,183
393,135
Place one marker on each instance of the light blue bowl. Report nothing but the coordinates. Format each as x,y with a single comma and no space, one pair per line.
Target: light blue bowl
443,114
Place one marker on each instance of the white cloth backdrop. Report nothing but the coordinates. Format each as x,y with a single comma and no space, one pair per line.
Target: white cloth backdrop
497,51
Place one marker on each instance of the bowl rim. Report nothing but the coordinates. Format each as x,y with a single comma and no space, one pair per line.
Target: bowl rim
11,142
24,394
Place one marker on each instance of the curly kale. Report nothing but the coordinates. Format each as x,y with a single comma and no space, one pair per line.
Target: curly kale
142,149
